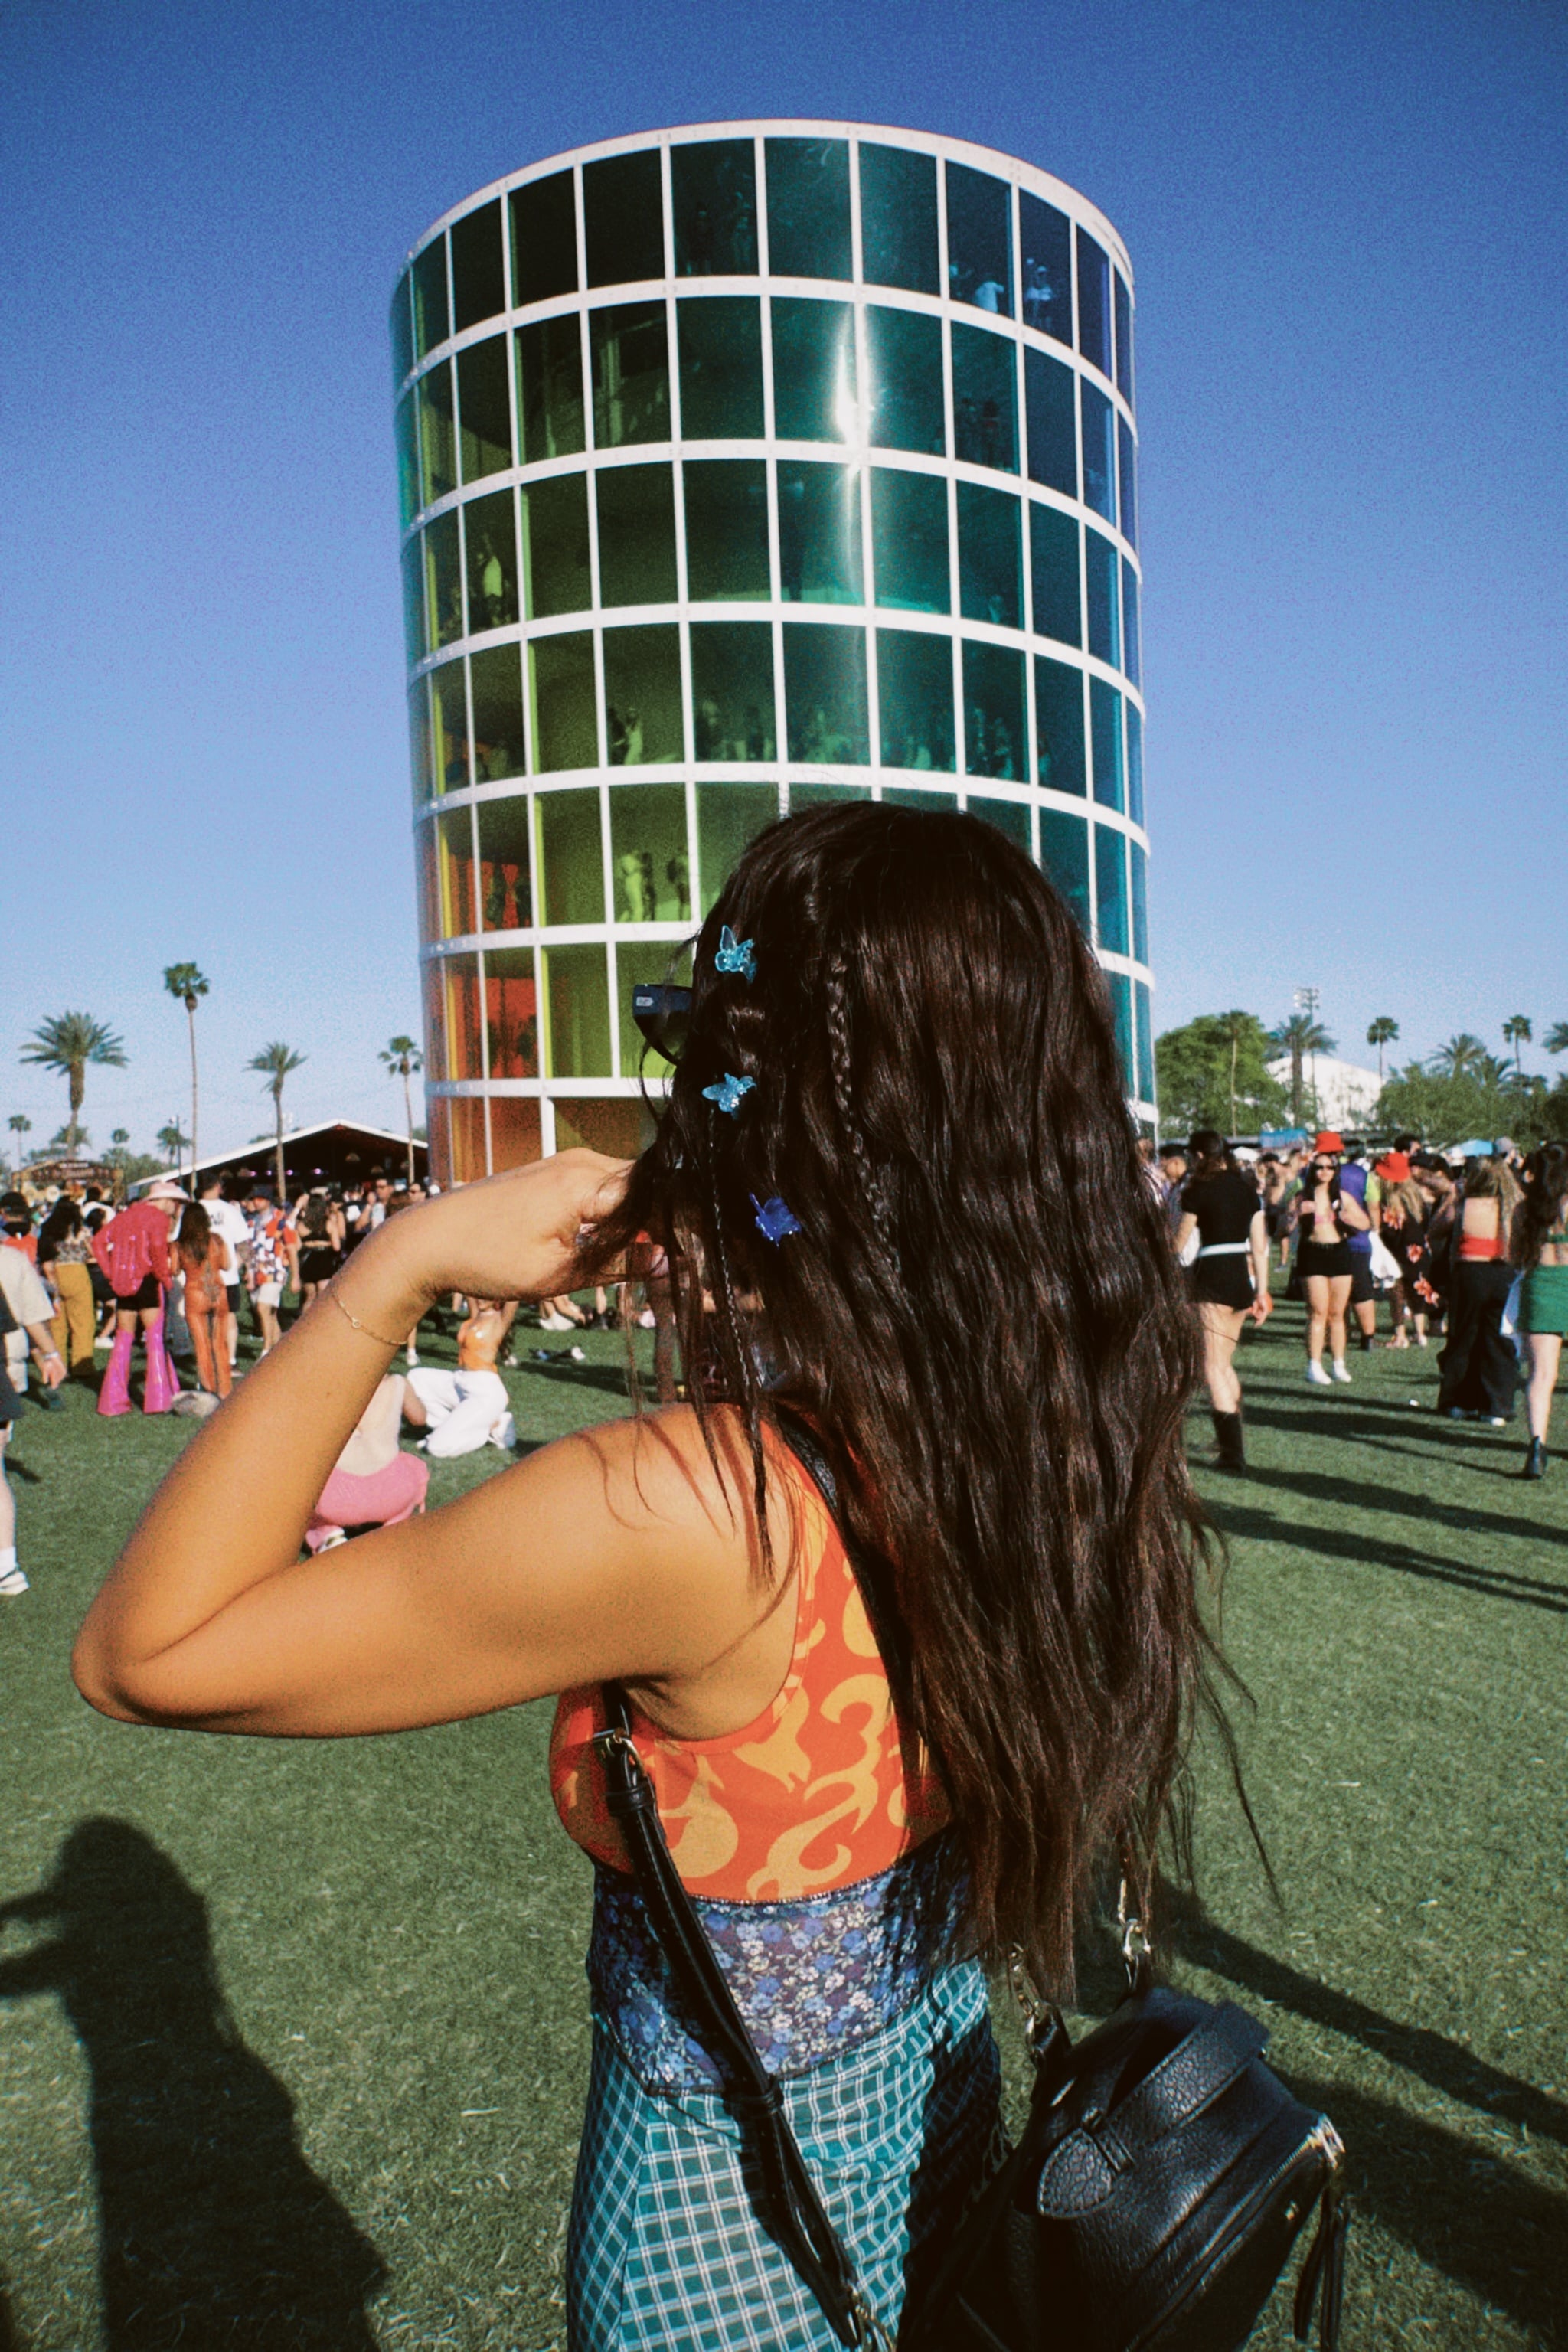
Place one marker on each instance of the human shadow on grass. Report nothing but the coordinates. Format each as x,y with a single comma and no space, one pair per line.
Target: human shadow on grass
213,2226
610,1378
1358,1494
1360,1551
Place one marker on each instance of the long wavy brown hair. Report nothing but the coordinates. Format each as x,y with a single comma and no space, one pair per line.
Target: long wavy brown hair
980,1312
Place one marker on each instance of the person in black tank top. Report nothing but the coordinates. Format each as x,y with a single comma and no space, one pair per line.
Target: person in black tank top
1221,1209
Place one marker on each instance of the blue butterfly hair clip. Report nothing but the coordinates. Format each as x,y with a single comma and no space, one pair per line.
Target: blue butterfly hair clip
730,1093
775,1221
734,955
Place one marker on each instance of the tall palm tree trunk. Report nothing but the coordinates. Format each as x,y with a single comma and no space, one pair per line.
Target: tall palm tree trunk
408,1121
277,1109
191,1017
77,1091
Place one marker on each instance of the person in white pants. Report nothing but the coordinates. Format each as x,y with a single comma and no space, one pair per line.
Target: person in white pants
464,1410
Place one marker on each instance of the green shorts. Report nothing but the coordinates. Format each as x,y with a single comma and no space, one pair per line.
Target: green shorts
1543,1301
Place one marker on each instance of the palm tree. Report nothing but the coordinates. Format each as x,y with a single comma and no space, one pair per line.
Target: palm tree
66,1044
275,1061
402,1055
20,1125
1300,1037
172,1141
1233,1027
119,1138
1461,1056
186,982
1517,1032
1555,1040
1382,1031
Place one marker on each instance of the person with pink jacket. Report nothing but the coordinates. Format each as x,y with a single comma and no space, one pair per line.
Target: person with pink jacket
132,1249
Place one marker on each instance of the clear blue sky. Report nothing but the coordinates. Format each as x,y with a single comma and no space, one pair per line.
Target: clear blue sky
1347,225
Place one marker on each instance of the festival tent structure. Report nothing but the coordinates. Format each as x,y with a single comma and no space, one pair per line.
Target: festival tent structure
336,1151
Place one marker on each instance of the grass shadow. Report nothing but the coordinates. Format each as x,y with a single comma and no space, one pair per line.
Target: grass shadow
1358,1494
1371,1552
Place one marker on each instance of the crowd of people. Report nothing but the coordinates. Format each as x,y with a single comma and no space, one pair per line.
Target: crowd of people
1471,1249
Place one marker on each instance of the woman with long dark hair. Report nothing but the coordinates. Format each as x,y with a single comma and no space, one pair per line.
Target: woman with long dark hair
897,1164
1479,1368
65,1258
1325,1218
1230,1275
203,1256
1541,1247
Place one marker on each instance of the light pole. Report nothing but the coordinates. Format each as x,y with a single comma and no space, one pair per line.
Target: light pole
1307,1001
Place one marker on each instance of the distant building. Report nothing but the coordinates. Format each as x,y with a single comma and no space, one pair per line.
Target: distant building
746,466
1347,1094
335,1151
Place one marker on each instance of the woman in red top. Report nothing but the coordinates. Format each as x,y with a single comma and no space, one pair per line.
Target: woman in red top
132,1249
897,1101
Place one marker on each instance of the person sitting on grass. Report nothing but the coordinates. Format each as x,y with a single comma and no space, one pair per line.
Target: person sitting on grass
464,1410
373,1483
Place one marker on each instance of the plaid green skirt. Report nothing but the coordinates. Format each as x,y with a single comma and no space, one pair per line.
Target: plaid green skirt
665,2253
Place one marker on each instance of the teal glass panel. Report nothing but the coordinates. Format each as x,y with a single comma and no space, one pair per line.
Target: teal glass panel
1140,858
443,581
914,693
1110,889
643,715
808,208
732,690
550,390
819,534
1052,416
993,739
569,857
479,267
414,603
577,1013
1123,338
917,797
405,426
1061,765
1053,575
1127,478
720,342
631,374
1099,451
622,1129
1121,988
909,540
623,219
636,534
402,325
484,410
495,678
990,556
903,356
814,369
564,709
506,902
1011,817
1100,601
1134,763
1144,1020
728,817
419,738
543,240
437,433
1105,737
1131,661
727,530
432,312
1093,302
984,400
979,239
555,547
1064,858
1046,237
490,553
898,219
809,797
449,726
825,692
650,867
713,189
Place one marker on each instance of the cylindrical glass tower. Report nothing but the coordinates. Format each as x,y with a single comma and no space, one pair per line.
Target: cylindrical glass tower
745,466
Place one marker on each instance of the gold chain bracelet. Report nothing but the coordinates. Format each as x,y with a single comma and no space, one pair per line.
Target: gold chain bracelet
353,1319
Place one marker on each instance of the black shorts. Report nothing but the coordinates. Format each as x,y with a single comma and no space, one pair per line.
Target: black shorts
148,1294
1224,1281
1327,1258
10,1403
1363,1287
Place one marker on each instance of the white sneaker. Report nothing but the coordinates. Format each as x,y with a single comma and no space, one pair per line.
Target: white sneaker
1342,1371
1316,1376
411,1357
556,1323
13,1582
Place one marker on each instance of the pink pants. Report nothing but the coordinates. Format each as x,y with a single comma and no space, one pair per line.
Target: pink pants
383,1499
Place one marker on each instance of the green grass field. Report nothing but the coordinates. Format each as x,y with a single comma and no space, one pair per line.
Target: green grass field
293,2037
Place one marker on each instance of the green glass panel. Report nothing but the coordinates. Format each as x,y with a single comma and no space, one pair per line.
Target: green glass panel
1139,901
814,369
406,428
402,325
1134,762
1053,575
727,529
1111,889
550,389
732,690
1046,235
984,399
1011,817
1093,302
484,409
909,540
506,902
479,267
437,433
1143,1015
456,911
713,190
414,601
993,712
432,314
1105,735
808,208
419,738
631,374
1127,481
443,581
728,817
1061,765
909,796
1064,856
495,680
623,219
819,533
1123,337
449,726
543,240
566,722
914,690
1121,988
825,691
903,359
1052,423
636,534
490,545
1099,450
1100,601
650,867
979,239
720,340
809,797
512,1023
555,546
577,1013
642,696
990,556
1131,659
898,219
570,855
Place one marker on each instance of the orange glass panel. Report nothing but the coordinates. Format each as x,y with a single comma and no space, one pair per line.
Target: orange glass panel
514,1131
439,1132
468,1156
511,1013
452,1017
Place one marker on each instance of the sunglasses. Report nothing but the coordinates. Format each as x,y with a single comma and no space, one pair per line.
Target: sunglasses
662,1013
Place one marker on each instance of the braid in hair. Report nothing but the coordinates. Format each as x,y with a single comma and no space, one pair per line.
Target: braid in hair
840,1062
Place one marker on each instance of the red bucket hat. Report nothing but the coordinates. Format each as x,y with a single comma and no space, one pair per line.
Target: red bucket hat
1393,1168
1327,1141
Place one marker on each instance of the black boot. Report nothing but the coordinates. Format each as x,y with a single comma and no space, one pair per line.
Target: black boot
1535,1459
1227,1432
